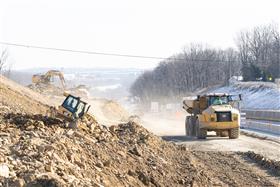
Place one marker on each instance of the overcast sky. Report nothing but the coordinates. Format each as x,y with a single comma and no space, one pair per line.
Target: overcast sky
143,27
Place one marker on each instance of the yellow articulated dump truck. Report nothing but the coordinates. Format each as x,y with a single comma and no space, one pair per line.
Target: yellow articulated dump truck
217,112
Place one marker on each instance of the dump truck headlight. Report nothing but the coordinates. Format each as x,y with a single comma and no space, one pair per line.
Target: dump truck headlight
235,118
212,117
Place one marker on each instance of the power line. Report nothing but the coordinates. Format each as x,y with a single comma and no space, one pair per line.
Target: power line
82,51
108,54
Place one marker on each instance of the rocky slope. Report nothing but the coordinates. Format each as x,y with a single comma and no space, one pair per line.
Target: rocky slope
17,98
36,150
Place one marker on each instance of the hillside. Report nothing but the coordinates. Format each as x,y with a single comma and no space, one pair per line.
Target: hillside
256,95
18,98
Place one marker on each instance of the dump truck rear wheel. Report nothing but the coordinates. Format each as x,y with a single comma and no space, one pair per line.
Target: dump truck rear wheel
192,126
234,133
187,126
200,133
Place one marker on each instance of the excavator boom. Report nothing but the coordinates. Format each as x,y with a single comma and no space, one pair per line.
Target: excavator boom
46,78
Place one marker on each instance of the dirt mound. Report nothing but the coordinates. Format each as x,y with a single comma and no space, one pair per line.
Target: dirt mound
17,98
165,164
38,150
114,110
107,112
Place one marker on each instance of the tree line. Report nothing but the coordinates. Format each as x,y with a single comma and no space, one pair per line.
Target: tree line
5,63
199,66
259,52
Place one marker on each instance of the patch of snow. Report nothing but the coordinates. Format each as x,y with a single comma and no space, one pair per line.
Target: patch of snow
255,95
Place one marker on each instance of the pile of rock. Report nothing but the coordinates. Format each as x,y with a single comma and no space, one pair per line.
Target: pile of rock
38,151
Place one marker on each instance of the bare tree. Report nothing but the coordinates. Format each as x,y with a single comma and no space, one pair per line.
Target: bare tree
198,66
3,59
259,52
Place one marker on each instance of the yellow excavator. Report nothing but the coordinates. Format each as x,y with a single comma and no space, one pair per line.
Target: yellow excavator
46,78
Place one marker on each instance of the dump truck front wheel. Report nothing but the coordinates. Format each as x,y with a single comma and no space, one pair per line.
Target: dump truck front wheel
234,133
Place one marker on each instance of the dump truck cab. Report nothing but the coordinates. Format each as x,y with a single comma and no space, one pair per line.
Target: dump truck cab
212,112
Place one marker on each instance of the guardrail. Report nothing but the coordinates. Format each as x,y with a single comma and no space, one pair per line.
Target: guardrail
264,126
242,119
270,115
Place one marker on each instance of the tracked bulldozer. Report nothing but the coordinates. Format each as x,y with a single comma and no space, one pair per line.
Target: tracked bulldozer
217,112
72,111
46,78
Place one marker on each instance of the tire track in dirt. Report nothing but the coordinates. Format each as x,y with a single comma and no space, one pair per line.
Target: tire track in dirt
231,170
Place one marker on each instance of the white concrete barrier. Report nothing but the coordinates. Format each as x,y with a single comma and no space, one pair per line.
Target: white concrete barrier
270,115
262,126
242,120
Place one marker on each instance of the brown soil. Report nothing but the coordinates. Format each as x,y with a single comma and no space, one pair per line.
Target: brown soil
231,169
17,98
40,150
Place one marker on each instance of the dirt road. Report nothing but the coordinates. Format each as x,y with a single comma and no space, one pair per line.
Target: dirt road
173,130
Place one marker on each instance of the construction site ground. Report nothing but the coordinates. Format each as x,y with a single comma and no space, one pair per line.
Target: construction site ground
172,129
39,151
